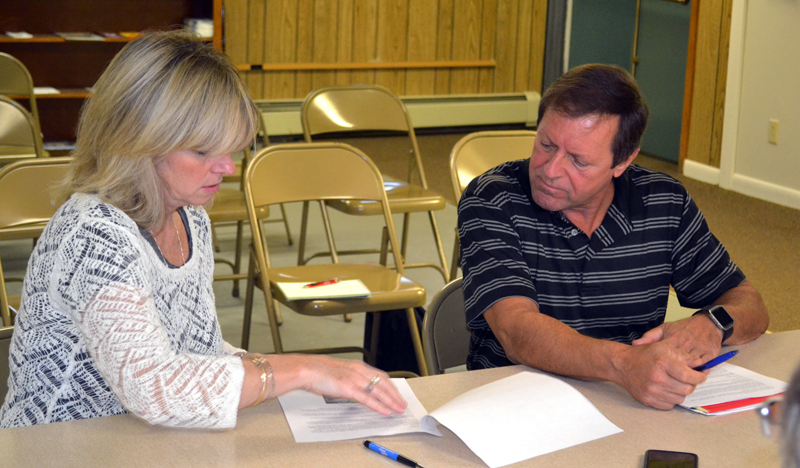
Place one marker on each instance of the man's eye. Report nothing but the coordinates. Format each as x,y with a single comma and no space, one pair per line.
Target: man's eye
579,163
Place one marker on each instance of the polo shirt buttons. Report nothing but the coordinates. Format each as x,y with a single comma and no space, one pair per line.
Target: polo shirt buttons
574,232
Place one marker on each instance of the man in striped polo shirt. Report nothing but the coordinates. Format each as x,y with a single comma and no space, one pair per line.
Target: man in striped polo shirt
568,256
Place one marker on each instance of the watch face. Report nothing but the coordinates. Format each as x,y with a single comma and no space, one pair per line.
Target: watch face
722,316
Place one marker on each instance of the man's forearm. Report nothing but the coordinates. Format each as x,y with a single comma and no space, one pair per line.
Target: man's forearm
657,375
537,340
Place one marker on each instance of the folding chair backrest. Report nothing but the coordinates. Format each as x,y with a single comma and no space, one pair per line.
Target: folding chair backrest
19,136
15,79
445,336
360,108
315,171
295,172
353,109
25,188
478,152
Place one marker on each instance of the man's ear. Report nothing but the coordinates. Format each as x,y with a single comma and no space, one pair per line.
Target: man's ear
620,168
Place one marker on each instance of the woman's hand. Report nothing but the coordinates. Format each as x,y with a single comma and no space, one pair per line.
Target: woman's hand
337,378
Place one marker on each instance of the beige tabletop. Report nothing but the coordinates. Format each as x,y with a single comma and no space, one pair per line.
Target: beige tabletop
263,439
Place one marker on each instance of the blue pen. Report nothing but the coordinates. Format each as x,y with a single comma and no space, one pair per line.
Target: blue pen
393,455
717,360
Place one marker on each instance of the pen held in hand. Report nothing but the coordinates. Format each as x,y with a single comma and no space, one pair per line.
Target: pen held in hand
717,360
393,455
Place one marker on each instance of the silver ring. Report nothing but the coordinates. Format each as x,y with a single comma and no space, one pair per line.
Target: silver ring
372,383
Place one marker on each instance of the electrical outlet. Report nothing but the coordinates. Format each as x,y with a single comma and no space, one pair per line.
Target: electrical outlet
773,131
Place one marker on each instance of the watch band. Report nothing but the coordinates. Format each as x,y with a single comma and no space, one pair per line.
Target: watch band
721,318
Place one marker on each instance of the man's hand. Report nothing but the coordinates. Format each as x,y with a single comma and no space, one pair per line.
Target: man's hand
658,374
696,336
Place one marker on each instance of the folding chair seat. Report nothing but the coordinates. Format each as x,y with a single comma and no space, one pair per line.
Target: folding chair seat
475,154
26,206
445,336
329,171
340,111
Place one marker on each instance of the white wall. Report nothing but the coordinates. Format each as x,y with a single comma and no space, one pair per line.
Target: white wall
763,83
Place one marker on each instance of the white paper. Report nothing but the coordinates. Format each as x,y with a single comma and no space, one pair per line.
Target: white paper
728,382
19,35
523,416
342,289
45,90
313,418
510,420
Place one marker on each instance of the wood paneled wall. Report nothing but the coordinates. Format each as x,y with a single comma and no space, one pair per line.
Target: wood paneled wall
412,47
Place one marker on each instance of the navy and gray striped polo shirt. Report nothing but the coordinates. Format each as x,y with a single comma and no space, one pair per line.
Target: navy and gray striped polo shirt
612,286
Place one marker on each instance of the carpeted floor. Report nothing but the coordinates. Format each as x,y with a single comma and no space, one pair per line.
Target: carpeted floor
762,238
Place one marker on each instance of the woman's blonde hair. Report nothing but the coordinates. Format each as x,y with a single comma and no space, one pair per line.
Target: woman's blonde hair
164,91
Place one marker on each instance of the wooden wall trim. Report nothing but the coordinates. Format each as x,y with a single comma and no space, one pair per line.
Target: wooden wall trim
368,65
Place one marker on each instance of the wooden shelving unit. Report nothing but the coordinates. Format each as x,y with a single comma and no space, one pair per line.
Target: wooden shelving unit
73,66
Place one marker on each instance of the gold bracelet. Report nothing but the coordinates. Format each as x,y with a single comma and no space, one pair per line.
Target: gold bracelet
261,362
270,380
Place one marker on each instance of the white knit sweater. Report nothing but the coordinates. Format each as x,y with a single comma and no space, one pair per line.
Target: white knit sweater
106,326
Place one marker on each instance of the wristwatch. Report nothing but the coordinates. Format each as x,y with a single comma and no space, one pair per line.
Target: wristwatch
721,318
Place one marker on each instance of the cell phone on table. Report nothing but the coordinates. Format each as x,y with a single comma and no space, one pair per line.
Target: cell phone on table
667,459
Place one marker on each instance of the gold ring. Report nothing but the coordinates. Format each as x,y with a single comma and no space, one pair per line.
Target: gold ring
372,383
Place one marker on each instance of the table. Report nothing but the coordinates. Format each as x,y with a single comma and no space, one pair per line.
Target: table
263,439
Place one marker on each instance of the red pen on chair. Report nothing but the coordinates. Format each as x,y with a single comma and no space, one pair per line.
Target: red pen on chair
322,283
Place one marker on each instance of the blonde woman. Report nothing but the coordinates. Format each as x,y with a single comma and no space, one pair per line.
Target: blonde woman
117,308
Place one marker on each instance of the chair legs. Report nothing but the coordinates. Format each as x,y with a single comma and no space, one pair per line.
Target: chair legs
456,257
442,267
272,314
286,225
5,311
236,265
416,341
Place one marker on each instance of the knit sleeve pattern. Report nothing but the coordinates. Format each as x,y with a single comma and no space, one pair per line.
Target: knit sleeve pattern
141,337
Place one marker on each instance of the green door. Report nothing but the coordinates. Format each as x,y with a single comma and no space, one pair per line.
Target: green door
661,73
603,32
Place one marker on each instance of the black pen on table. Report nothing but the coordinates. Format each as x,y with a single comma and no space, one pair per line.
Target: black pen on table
393,455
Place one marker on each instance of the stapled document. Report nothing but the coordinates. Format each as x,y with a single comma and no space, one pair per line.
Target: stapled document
729,384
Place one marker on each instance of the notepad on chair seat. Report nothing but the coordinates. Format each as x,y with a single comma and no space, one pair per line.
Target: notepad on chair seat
341,290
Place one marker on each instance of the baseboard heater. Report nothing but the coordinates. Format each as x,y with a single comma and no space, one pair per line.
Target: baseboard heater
282,117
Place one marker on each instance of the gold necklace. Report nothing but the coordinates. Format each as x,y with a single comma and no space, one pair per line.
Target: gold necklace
180,244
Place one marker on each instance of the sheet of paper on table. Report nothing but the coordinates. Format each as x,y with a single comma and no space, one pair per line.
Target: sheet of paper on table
729,383
313,418
510,420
